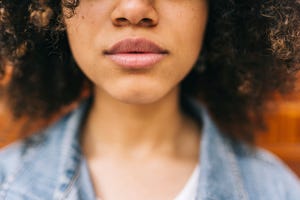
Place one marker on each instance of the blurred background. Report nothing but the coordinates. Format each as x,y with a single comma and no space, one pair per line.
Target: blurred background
282,136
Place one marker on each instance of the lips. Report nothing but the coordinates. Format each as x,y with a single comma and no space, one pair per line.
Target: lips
135,53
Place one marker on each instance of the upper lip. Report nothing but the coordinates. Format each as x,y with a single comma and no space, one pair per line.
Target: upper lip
135,45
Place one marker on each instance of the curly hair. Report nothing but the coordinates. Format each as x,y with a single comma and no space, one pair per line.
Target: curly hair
251,50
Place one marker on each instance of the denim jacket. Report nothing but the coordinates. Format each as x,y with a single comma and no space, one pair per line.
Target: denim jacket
51,166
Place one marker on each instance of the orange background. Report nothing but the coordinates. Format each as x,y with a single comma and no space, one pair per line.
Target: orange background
283,134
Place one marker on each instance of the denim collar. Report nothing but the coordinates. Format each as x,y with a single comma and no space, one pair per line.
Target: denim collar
69,167
220,176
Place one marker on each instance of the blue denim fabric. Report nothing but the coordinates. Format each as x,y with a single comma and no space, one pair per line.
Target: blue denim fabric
50,166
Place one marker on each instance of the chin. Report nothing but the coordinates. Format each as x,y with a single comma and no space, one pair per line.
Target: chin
138,91
139,97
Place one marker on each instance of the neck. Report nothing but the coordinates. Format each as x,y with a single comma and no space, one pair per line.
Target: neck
116,127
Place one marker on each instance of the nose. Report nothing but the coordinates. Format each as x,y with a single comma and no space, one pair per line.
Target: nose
135,13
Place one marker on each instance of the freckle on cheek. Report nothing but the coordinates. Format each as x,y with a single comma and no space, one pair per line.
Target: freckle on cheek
82,17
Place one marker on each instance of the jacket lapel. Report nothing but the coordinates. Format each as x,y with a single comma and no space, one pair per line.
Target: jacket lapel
220,177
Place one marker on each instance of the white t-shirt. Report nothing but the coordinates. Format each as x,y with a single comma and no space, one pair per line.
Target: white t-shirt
190,189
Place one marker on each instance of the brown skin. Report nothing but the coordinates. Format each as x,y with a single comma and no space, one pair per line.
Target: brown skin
135,127
93,29
143,147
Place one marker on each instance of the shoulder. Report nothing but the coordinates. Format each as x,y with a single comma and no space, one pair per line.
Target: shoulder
22,150
235,166
48,140
265,174
37,158
19,164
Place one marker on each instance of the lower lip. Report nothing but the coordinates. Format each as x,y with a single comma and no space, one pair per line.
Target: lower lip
136,60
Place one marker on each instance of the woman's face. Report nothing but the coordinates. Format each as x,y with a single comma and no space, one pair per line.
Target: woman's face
137,51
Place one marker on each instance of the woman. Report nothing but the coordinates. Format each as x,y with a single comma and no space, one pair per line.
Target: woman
146,62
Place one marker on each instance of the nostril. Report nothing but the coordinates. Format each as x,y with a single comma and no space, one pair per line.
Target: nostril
146,22
121,21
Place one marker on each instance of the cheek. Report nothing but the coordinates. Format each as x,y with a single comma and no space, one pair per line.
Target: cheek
194,30
186,26
188,34
87,22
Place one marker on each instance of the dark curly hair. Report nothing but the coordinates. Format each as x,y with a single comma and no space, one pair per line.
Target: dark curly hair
251,50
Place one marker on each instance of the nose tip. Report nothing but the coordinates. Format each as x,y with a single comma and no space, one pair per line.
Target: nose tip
135,12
